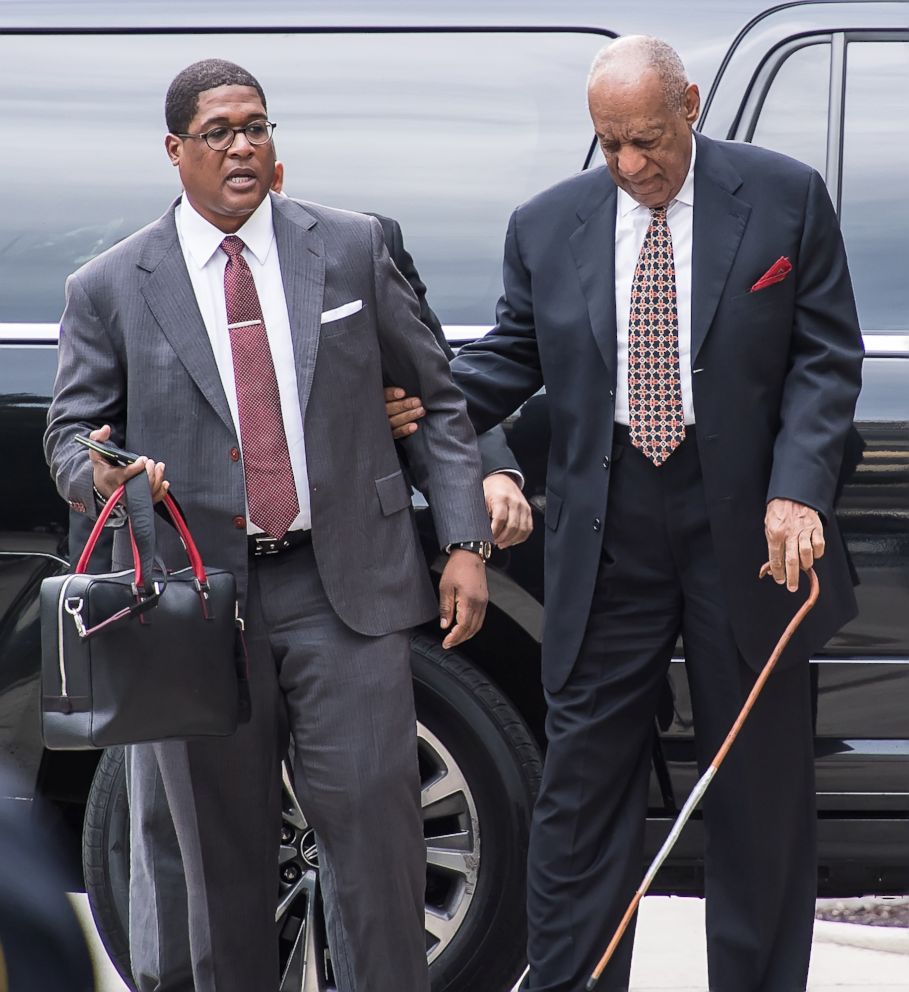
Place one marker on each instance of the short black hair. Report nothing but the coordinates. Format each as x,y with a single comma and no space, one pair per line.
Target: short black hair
183,93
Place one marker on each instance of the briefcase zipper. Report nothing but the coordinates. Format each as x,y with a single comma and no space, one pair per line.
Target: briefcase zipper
72,606
61,605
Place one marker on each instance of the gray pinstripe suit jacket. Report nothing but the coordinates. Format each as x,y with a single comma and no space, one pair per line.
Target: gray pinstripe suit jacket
134,353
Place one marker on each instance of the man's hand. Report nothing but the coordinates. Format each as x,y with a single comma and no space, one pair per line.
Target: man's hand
109,477
795,535
462,596
402,411
509,512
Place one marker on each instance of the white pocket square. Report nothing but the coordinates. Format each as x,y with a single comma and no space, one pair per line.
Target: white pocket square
353,307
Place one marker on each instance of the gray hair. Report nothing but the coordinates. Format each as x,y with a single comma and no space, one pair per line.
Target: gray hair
633,55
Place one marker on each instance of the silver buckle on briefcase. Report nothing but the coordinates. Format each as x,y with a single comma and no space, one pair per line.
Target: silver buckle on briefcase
74,608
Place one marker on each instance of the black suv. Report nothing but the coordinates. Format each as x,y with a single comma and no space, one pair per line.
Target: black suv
445,117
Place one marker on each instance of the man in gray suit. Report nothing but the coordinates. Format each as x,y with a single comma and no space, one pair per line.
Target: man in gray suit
244,339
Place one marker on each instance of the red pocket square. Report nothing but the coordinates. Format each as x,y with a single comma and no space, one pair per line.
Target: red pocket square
776,273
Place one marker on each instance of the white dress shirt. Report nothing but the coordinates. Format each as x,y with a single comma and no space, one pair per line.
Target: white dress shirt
200,242
631,223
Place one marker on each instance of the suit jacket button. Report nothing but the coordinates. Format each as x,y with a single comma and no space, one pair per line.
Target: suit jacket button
234,454
596,523
240,523
605,461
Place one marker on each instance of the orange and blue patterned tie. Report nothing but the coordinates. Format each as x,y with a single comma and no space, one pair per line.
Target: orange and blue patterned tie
656,417
270,488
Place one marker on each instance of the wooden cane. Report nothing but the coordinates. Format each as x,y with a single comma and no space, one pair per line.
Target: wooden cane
705,780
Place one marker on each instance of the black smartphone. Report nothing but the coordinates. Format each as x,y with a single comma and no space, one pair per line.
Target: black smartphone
115,455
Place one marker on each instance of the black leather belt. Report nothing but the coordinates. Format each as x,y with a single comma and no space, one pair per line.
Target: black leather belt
261,545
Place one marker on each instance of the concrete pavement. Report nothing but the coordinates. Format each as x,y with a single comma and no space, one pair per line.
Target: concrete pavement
670,954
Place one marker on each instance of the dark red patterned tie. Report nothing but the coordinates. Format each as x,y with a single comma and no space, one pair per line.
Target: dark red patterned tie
270,489
656,416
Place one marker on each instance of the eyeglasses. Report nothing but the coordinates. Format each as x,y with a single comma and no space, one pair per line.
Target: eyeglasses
220,138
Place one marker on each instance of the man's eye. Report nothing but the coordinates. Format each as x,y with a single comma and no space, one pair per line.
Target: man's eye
256,132
217,134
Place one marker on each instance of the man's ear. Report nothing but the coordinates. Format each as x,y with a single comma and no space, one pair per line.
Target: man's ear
692,103
277,181
173,146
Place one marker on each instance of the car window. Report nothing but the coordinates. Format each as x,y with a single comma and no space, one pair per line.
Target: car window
793,117
446,132
875,190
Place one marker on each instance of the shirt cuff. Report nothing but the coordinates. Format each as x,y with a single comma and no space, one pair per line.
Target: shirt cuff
514,473
118,515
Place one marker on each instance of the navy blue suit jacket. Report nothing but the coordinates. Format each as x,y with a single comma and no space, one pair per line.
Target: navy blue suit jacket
776,377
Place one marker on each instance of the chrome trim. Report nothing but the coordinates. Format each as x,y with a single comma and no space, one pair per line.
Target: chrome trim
462,333
839,661
29,333
878,344
877,794
35,554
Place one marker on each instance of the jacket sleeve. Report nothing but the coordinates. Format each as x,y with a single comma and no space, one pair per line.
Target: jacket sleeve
495,455
500,371
825,363
444,451
89,391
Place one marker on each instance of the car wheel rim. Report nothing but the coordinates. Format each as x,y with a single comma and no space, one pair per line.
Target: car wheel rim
452,833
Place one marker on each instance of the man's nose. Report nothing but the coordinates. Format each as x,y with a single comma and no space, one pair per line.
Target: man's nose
241,145
630,161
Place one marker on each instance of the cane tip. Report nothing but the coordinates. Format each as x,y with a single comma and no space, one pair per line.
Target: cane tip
592,983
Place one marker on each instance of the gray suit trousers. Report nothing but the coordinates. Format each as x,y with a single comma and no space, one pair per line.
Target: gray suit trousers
347,701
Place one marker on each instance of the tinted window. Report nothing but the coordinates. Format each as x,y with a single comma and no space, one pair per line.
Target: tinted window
445,132
875,204
793,118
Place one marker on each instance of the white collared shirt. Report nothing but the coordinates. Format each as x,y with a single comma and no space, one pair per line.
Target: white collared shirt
201,242
631,223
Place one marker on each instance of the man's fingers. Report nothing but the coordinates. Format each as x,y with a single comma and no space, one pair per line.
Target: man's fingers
404,431
470,616
498,518
792,563
395,408
408,417
818,544
101,434
393,393
806,549
446,603
775,554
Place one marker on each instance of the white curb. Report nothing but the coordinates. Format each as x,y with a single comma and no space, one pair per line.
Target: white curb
893,940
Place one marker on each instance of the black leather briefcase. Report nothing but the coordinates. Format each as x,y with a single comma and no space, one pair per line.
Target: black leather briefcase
143,654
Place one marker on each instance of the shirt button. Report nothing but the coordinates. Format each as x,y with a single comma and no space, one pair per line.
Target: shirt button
234,454
596,523
240,523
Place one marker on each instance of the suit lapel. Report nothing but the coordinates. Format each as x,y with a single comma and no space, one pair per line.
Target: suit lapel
593,248
302,256
170,297
720,219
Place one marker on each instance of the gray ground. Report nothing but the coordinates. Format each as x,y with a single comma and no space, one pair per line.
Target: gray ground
670,953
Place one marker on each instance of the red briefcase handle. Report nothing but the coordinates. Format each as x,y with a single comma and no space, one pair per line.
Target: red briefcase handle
192,552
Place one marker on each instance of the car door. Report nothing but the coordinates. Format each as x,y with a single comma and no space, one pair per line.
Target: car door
829,85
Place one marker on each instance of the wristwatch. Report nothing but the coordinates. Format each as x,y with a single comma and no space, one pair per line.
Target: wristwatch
481,548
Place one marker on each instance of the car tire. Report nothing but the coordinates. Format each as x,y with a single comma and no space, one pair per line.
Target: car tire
105,858
464,720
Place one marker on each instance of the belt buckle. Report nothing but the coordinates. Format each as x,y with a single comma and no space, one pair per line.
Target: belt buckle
266,545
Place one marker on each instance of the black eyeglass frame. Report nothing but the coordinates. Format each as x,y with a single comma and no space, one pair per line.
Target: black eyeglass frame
236,130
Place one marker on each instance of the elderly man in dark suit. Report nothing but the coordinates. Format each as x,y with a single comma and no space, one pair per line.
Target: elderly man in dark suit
244,339
690,312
